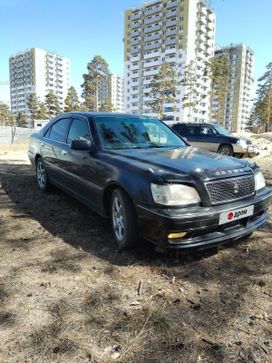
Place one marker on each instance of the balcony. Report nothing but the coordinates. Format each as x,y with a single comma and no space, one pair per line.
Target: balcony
135,42
135,82
170,50
135,67
152,28
147,98
151,55
134,92
154,19
135,58
135,16
171,13
150,72
171,23
171,32
154,10
135,75
170,41
147,90
171,4
135,33
147,81
152,46
152,63
152,37
137,25
134,51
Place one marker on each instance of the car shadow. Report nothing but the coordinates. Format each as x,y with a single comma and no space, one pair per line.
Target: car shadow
64,217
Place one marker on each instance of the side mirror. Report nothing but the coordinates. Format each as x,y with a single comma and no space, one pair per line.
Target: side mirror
81,144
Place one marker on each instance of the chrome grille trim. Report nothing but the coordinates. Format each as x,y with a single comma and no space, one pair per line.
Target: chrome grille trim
230,189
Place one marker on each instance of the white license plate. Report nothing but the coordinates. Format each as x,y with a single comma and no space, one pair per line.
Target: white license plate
235,214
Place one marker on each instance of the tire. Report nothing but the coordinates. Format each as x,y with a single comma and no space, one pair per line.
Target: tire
41,176
226,150
123,220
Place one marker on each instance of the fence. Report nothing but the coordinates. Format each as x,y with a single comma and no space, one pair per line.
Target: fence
18,135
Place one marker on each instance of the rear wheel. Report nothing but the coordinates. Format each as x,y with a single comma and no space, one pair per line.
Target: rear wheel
41,176
123,220
226,150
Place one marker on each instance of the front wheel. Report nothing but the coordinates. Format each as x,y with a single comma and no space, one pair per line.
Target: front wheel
41,176
123,220
226,150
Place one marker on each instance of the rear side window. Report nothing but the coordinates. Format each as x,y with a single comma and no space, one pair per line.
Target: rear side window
207,130
58,131
185,130
79,130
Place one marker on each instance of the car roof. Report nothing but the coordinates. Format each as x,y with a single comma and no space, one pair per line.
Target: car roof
116,114
193,124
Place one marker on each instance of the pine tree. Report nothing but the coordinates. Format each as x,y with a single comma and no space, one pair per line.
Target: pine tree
6,117
189,80
163,89
21,119
52,104
263,102
96,85
107,106
42,113
71,102
219,72
33,106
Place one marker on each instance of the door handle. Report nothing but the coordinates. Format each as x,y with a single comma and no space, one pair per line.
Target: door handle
63,152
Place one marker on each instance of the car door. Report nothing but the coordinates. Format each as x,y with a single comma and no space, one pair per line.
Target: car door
54,149
190,132
207,138
81,165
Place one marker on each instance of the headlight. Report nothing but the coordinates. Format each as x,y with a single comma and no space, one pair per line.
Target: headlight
174,194
242,142
259,180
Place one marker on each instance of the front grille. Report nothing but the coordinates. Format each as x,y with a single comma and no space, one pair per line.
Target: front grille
226,190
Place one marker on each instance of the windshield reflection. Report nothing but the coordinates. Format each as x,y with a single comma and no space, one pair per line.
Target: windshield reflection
135,133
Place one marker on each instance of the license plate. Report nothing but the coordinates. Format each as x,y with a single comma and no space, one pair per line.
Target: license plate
235,214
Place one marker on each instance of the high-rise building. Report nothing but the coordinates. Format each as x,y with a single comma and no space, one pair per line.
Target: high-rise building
236,109
37,71
117,92
175,31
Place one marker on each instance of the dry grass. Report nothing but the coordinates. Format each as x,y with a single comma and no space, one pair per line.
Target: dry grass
67,295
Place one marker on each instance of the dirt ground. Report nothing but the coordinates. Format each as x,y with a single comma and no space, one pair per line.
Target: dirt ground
68,295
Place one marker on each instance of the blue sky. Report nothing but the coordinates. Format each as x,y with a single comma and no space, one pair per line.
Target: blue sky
80,29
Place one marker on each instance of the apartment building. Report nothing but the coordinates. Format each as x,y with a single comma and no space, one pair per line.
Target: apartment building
37,71
236,109
174,31
117,92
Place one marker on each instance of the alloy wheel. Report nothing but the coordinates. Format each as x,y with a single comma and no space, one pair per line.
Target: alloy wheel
118,218
41,176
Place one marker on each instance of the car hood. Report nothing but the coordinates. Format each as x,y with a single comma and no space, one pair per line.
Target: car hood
172,162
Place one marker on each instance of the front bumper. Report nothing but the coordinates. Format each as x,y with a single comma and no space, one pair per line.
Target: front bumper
250,149
201,223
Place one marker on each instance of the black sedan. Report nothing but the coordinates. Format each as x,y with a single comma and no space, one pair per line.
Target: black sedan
141,174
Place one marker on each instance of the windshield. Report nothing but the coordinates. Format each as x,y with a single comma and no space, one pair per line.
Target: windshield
221,130
135,133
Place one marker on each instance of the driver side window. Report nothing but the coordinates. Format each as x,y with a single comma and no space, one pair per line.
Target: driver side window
78,130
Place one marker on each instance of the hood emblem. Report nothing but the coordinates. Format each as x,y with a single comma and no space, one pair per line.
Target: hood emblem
235,187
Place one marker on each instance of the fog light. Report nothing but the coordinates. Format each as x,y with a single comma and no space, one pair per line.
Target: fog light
176,235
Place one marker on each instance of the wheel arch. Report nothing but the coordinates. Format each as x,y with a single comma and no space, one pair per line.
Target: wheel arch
37,156
224,144
107,196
